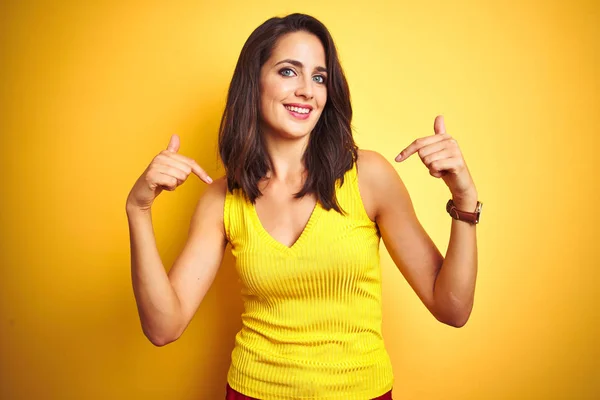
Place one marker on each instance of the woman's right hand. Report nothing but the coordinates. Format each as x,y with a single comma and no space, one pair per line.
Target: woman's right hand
167,171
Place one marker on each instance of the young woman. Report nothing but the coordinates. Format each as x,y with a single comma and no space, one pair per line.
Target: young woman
304,211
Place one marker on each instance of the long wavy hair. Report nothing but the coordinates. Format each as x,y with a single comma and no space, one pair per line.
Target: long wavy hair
331,149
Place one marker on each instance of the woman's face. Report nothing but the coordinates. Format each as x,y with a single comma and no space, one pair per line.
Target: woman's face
293,89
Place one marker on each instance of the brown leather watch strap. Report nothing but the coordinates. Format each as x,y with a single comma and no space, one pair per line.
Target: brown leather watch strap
470,217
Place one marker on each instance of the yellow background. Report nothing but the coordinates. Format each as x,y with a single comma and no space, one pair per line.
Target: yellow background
89,93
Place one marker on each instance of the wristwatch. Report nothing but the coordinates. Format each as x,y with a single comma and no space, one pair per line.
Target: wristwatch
470,217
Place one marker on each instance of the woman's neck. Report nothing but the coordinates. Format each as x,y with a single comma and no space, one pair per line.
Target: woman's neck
286,159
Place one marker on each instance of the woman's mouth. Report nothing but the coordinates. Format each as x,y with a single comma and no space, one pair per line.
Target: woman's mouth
298,112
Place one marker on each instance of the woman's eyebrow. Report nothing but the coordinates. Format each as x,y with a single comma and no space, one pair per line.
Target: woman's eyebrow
300,65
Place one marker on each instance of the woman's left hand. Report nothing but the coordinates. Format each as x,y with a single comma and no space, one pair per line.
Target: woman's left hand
442,156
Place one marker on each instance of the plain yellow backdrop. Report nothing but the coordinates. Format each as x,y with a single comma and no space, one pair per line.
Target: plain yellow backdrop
91,91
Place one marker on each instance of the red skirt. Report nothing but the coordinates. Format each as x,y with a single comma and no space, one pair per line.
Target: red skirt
234,395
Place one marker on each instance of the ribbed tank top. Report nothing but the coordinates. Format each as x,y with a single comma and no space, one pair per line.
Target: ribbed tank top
311,325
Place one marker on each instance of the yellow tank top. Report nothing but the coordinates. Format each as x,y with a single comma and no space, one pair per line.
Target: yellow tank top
311,325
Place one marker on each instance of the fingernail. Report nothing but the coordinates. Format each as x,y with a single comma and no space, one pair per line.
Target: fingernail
209,179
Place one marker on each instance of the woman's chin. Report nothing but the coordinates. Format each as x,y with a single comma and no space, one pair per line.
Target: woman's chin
297,135
292,134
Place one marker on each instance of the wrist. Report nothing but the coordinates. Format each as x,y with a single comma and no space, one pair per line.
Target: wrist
466,202
133,210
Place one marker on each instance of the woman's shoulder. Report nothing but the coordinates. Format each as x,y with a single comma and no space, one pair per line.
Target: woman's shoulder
375,175
213,198
218,189
378,180
373,166
208,214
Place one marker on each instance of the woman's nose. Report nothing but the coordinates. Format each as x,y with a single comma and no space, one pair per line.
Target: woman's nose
305,88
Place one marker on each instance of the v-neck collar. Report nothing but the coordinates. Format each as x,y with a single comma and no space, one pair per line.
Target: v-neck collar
312,220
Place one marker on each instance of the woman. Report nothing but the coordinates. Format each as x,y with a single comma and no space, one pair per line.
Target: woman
304,211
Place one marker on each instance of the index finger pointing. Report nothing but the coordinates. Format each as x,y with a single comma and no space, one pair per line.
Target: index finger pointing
418,144
410,149
404,154
200,173
196,169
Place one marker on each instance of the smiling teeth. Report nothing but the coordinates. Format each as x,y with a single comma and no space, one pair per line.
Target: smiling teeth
298,109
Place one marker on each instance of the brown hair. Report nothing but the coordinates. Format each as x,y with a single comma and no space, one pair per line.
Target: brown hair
331,150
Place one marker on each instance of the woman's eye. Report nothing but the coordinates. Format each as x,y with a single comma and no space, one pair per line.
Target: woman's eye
286,72
319,78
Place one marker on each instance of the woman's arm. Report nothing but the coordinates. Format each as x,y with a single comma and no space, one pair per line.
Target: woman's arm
454,288
445,286
167,302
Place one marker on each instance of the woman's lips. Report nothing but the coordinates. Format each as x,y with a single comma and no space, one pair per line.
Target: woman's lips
301,116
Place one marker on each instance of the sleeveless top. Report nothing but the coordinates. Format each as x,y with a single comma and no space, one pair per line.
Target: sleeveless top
311,325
